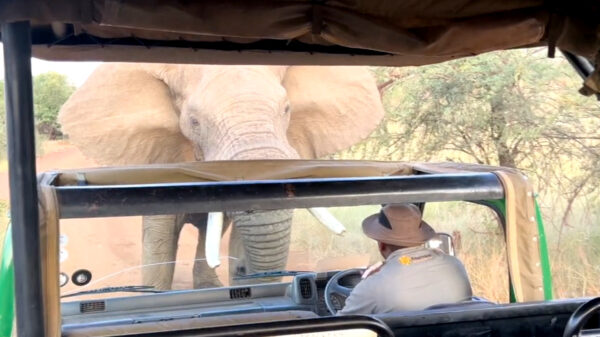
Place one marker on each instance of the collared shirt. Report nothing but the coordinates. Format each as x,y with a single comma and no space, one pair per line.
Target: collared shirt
410,279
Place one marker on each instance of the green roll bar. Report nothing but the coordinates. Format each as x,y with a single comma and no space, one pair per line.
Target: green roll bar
7,285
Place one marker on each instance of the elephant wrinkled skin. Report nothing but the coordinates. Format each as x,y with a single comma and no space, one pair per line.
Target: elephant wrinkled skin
158,113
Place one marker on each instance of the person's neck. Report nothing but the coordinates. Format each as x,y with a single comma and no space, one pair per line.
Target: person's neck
398,250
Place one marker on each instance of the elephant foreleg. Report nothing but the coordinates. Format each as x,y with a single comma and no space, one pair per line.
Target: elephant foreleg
160,235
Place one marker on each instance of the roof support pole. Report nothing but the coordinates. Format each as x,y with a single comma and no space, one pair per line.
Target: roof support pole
583,66
203,197
16,39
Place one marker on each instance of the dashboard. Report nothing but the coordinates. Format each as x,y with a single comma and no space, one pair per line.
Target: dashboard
302,298
304,293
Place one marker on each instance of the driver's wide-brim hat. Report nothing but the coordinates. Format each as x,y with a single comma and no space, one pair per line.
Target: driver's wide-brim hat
398,225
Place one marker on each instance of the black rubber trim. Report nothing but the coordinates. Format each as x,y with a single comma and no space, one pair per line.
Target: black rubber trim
497,312
285,327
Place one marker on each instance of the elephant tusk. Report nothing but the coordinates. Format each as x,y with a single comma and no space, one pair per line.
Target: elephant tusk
214,228
327,219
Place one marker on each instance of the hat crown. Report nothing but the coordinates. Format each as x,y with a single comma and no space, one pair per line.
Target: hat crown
398,224
402,216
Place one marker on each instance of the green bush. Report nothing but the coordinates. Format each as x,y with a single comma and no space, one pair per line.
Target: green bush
50,91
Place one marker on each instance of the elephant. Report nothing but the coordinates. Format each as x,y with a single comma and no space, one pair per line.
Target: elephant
128,113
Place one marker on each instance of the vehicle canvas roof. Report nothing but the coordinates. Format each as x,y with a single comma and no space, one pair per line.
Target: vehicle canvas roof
384,32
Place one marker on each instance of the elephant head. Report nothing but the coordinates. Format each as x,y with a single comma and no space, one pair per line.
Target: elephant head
157,113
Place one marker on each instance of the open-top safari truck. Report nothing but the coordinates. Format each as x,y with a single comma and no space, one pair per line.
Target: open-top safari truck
216,187
272,32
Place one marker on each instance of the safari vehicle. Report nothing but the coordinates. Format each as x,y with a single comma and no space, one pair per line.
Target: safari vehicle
268,32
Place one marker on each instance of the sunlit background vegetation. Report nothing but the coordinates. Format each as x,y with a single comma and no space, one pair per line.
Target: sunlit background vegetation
512,108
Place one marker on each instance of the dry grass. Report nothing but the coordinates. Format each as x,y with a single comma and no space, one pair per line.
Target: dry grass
318,243
575,267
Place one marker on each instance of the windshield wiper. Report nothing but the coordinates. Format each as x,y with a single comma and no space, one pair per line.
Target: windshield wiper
128,289
277,273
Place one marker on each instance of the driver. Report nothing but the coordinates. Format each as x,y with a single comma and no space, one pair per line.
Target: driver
412,277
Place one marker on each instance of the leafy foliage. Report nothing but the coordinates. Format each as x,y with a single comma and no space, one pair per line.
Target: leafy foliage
50,92
512,108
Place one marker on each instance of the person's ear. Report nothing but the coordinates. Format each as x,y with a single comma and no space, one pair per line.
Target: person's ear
382,247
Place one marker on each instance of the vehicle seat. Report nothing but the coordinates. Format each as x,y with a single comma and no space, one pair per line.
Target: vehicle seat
473,302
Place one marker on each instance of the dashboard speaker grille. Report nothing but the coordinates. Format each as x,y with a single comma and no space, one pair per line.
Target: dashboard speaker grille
93,306
237,293
305,288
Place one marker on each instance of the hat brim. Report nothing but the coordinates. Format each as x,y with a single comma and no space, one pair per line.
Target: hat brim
376,231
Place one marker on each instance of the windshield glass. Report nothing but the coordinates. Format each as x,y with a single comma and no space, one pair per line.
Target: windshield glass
115,251
112,249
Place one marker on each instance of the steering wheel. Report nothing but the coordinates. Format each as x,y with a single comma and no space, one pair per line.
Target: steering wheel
580,316
334,288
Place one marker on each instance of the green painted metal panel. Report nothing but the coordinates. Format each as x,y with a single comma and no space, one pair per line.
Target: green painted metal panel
544,258
7,286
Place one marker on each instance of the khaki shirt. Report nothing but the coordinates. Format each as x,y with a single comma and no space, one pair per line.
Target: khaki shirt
410,279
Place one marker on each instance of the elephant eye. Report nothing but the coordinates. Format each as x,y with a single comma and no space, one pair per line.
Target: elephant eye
287,109
194,122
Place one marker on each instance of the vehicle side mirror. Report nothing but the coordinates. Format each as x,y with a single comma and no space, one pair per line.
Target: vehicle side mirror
443,242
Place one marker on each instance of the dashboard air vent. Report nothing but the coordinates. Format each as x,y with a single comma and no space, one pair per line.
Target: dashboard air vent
238,293
93,306
305,288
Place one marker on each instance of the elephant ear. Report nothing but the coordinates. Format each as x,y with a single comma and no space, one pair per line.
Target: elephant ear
332,108
123,114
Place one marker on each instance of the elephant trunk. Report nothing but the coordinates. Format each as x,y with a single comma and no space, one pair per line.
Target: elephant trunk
259,150
259,239
260,242
258,139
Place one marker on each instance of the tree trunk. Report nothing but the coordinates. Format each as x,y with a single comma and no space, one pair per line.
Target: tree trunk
498,124
505,157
